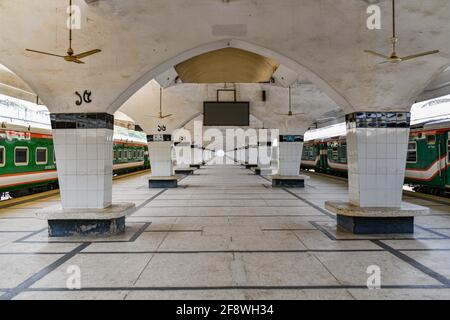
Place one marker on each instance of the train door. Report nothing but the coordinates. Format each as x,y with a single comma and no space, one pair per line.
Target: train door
441,145
447,163
323,150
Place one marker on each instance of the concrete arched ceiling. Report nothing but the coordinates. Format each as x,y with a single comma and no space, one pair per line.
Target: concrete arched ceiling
229,65
324,38
13,86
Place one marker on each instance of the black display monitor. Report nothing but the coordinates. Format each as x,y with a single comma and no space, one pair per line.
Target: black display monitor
226,114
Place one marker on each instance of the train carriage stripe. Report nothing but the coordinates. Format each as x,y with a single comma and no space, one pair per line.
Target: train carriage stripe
430,173
337,166
27,178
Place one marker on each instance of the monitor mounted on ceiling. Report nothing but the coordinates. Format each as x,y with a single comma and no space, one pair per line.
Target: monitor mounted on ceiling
226,114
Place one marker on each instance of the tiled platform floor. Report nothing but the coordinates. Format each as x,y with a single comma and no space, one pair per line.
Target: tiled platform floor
225,234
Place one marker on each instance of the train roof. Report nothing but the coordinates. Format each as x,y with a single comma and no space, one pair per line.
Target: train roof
24,128
432,125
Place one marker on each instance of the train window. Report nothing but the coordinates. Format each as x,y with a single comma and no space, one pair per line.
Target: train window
21,156
120,154
2,156
41,155
54,156
114,154
335,150
431,139
412,152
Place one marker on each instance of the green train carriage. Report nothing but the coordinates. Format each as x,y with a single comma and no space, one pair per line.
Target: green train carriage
327,156
428,160
28,162
427,163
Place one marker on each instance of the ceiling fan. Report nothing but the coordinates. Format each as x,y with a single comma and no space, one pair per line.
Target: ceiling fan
290,113
71,56
160,115
393,57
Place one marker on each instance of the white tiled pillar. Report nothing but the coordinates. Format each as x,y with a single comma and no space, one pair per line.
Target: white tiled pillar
240,155
291,148
377,144
160,153
84,147
264,154
251,155
275,157
196,155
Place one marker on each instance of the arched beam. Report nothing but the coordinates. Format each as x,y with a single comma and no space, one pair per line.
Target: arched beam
239,44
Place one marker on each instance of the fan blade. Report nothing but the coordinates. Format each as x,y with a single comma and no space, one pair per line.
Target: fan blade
86,54
281,114
376,54
78,61
414,56
46,53
167,116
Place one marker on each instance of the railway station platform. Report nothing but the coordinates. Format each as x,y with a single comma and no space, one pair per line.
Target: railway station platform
225,233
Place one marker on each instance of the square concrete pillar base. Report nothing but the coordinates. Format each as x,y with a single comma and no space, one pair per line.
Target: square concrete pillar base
263,171
289,181
196,166
359,220
163,182
87,222
184,171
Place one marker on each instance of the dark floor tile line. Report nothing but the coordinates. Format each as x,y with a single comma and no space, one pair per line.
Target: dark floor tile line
149,200
261,206
219,251
184,252
222,288
305,201
332,237
139,232
24,253
414,263
287,230
173,231
323,230
10,294
231,199
444,236
22,240
132,239
234,216
324,211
